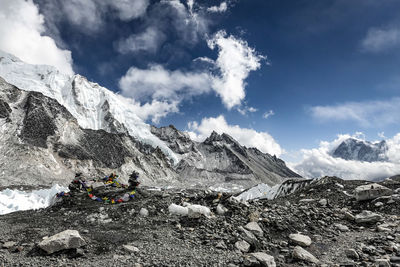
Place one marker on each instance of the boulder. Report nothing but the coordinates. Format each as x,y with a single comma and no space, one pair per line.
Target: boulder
302,254
65,240
341,227
301,240
196,211
221,210
143,212
178,210
254,228
264,259
130,248
367,216
371,191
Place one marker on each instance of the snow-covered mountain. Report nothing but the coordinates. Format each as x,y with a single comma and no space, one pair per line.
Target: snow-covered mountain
360,150
58,125
93,106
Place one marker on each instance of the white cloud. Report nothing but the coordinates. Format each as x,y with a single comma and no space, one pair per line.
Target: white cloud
129,9
268,114
21,34
235,61
246,109
318,162
150,40
159,83
366,114
381,39
155,110
218,9
245,136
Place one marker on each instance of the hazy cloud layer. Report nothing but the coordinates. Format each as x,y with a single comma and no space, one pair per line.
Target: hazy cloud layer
245,136
381,39
21,34
318,162
366,113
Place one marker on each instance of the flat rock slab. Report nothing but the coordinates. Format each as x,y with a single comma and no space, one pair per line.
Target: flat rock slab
371,191
301,240
367,216
65,240
243,246
302,254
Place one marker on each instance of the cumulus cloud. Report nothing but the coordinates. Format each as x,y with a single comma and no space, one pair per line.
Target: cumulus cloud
318,162
218,9
248,137
159,83
268,114
154,110
235,61
148,41
381,39
366,113
21,34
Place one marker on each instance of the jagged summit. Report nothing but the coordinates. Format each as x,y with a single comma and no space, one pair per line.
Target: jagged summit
360,150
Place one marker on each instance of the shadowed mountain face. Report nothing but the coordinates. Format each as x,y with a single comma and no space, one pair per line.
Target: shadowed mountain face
353,149
42,143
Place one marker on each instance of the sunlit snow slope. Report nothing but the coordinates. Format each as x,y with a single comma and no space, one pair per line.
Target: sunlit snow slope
94,107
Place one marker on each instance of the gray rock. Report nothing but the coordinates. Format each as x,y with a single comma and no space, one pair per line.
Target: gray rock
254,228
221,245
221,210
264,259
378,204
144,212
341,227
247,235
323,202
395,259
300,239
367,216
302,254
65,240
352,254
9,244
243,246
130,248
371,191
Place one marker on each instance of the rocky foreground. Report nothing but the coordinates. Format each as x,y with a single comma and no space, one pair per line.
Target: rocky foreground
326,223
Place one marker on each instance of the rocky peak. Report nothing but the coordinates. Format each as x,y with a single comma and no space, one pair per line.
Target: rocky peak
354,149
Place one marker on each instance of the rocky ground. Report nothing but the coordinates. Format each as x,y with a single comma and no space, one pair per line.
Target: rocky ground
322,224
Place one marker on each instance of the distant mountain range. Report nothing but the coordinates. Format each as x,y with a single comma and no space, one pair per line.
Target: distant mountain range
360,150
53,125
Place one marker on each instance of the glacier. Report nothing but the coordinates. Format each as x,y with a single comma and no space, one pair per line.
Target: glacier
88,102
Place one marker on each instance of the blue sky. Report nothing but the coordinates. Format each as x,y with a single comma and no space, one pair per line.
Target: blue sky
318,68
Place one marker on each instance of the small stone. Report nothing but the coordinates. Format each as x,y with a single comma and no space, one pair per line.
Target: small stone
221,245
341,227
395,259
352,254
9,244
382,228
143,212
302,254
323,202
378,204
264,259
130,248
221,210
300,239
242,245
247,235
255,228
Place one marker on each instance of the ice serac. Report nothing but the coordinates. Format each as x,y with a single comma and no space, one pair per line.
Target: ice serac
93,106
360,150
221,158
